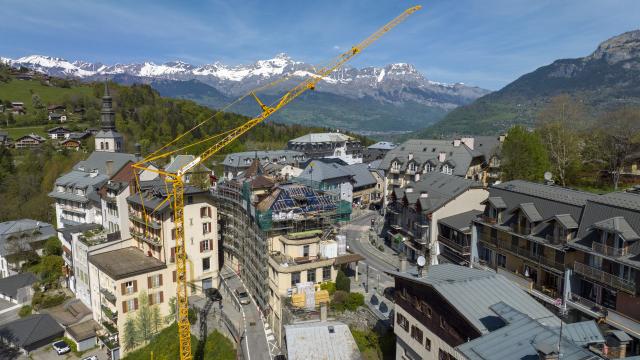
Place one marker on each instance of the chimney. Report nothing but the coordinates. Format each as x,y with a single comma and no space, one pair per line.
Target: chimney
502,137
402,258
410,156
442,156
408,190
109,167
456,142
469,141
138,148
424,194
323,311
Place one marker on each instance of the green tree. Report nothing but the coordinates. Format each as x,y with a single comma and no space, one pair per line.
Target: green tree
53,246
156,318
523,155
50,269
558,125
144,317
131,336
36,101
343,283
172,310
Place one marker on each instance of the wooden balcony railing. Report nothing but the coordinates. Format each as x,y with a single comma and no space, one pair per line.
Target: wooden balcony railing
462,249
605,277
609,250
526,253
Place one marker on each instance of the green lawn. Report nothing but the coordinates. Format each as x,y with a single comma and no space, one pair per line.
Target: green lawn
17,132
165,346
20,90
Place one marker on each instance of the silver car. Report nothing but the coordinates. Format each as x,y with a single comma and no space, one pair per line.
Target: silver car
243,297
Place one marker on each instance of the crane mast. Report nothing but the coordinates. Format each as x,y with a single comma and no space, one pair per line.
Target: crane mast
176,179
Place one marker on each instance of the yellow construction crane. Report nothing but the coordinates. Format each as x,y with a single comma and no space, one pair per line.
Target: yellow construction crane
176,179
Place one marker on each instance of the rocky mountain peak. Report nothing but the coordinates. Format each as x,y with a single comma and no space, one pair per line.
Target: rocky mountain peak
619,48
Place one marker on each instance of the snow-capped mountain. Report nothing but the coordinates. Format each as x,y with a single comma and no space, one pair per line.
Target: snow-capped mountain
394,83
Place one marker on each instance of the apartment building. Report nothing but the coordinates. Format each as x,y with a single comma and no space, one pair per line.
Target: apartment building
330,176
330,146
605,259
235,164
152,227
377,151
281,230
566,247
454,236
456,312
411,219
17,237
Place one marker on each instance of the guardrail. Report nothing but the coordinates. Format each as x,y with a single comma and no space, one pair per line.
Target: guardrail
463,249
604,277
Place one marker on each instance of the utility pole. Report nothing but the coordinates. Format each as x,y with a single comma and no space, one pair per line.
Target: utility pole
366,286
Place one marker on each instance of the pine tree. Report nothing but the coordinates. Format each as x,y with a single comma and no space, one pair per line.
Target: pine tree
130,336
144,317
156,318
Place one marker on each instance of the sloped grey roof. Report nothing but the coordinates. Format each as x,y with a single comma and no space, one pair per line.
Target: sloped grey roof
361,175
618,204
79,180
439,189
238,159
181,160
567,221
487,145
9,286
32,330
496,202
108,134
549,200
322,137
619,226
424,150
455,283
462,221
583,333
522,339
154,192
314,341
383,145
321,171
530,211
98,160
34,230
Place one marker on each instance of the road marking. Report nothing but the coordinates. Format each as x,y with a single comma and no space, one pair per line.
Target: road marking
10,309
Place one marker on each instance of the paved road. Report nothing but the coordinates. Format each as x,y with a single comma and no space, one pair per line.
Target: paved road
254,339
8,311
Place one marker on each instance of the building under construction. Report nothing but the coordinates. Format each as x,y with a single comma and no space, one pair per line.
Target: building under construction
281,232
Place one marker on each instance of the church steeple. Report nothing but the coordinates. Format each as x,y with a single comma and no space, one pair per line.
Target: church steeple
107,115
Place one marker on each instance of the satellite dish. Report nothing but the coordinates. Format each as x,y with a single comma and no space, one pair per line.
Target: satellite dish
548,176
421,261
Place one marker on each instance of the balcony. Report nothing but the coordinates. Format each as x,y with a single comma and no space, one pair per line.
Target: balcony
108,295
111,329
146,238
462,249
111,341
526,253
609,250
109,314
488,219
73,209
605,277
152,223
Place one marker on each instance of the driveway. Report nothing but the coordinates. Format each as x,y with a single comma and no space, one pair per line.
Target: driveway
47,353
8,311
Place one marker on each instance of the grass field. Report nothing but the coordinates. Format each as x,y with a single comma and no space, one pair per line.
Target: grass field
20,90
17,132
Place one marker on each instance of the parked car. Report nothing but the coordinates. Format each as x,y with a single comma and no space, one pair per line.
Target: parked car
243,296
61,347
92,357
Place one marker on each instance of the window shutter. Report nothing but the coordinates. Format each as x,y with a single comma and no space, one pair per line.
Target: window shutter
174,276
124,307
210,244
150,299
209,211
123,288
201,246
135,287
161,297
160,280
149,282
135,303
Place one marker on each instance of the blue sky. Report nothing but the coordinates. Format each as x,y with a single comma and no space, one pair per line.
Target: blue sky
487,43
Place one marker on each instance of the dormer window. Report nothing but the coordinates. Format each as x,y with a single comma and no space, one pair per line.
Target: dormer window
429,168
446,169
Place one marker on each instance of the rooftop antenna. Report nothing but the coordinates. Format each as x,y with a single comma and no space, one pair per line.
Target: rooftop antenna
548,178
421,263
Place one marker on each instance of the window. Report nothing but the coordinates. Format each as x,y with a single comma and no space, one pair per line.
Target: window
295,278
443,355
206,245
443,323
416,334
131,304
426,309
402,321
311,275
305,250
101,145
205,212
156,298
428,167
106,146
501,260
206,264
206,228
172,258
189,200
173,233
427,344
154,281
129,287
326,273
446,169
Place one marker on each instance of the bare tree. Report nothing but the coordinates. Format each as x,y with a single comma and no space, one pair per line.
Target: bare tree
617,137
558,126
